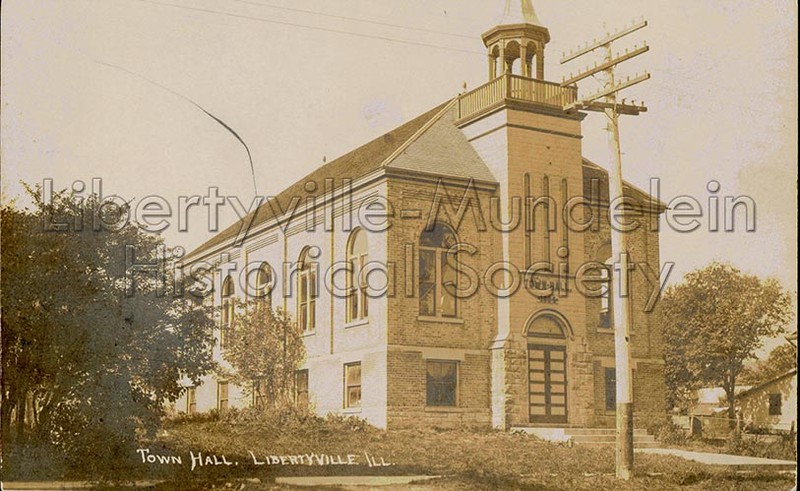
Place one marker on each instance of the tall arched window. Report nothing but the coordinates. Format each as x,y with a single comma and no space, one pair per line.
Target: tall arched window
357,302
227,309
307,293
606,319
264,284
436,299
606,308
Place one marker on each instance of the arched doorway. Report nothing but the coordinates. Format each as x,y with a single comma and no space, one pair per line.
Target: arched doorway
547,369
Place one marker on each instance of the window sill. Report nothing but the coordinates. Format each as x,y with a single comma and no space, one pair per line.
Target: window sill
444,409
440,320
358,323
351,410
309,333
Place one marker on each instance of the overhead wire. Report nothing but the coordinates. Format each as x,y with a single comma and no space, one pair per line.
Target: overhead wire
354,19
306,26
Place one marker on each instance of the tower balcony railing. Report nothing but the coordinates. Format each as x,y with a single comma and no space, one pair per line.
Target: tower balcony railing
509,87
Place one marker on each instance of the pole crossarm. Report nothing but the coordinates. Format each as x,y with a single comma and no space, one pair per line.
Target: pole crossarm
619,248
603,42
605,66
625,109
616,88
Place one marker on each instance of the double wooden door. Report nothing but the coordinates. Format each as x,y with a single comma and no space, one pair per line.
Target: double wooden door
547,376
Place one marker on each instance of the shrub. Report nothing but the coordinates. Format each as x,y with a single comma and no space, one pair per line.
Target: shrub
665,430
765,446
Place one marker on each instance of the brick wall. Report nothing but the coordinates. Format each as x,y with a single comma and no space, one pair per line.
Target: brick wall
407,391
524,149
413,338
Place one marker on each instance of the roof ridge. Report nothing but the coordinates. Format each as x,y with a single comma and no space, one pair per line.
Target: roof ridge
774,379
402,148
361,160
593,165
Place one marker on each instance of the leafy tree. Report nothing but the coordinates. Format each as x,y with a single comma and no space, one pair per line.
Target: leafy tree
265,348
86,366
714,321
780,360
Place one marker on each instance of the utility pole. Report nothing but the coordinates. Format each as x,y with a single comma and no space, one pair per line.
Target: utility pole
621,295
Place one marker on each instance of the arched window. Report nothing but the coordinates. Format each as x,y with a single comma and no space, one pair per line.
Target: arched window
227,309
264,284
606,305
435,298
546,326
307,293
603,256
357,302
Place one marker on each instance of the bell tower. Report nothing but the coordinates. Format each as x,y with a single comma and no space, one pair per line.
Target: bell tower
518,124
518,37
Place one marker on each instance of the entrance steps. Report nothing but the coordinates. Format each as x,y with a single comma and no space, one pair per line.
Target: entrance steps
588,436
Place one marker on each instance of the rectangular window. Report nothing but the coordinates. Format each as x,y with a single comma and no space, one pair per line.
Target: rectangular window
775,404
352,385
442,383
222,396
301,387
611,389
191,400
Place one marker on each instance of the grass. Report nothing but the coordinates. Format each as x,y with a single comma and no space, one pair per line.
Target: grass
466,459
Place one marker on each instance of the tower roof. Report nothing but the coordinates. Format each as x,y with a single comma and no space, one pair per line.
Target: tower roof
517,20
518,12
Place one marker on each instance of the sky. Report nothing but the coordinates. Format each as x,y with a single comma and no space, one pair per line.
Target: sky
102,88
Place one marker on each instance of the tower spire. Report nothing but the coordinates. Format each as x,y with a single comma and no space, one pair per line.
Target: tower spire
518,12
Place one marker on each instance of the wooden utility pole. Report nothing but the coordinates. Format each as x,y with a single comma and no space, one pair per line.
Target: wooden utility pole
621,295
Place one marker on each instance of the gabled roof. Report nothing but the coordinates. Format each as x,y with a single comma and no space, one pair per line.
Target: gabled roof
594,171
428,144
790,373
410,146
441,148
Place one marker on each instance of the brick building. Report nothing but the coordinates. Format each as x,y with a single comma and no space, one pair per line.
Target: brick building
484,237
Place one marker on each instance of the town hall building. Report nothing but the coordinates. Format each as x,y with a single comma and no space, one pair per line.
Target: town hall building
476,244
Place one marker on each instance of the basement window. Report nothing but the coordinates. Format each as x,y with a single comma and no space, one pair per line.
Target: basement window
352,385
442,383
